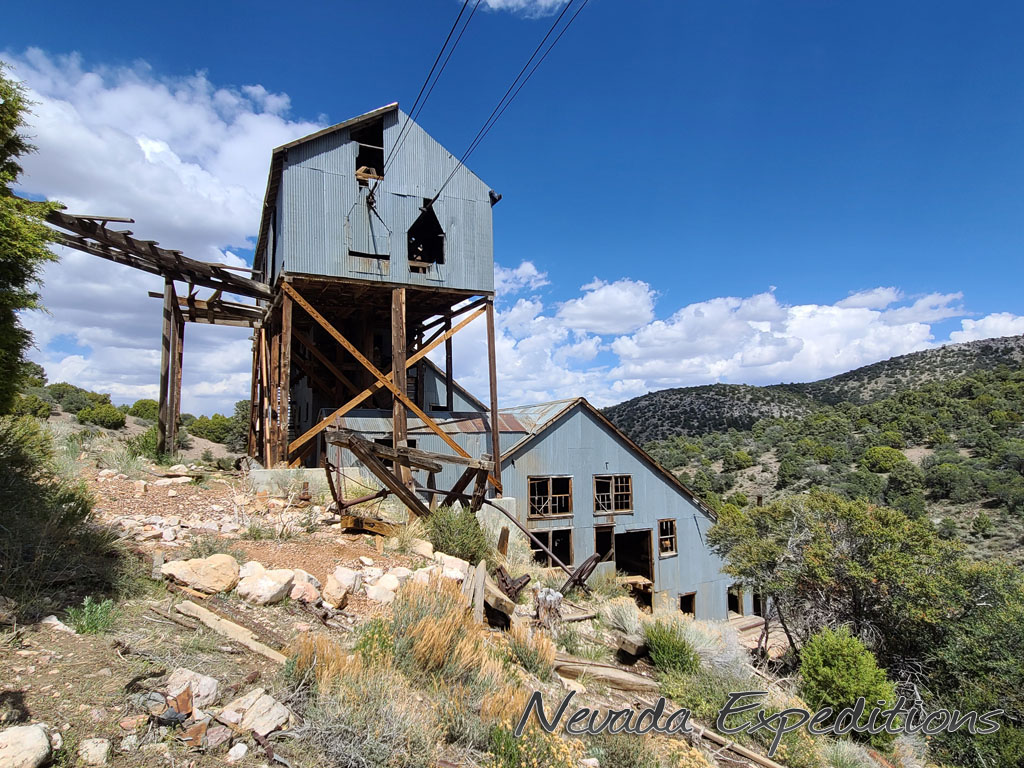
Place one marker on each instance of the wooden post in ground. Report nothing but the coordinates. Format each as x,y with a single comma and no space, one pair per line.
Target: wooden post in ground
264,398
165,365
492,368
174,379
285,374
275,397
254,391
399,378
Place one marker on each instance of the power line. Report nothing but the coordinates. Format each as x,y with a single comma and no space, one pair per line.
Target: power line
514,89
417,105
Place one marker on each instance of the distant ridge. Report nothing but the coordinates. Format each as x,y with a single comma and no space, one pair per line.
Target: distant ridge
717,407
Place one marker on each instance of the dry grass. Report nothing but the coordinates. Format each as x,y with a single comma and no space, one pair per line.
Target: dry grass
622,614
534,650
317,657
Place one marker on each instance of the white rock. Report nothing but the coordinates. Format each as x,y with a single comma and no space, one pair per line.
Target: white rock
347,577
24,746
370,575
255,711
589,762
129,743
162,481
169,534
335,594
268,587
365,560
379,594
54,623
251,568
216,508
304,592
448,561
229,527
400,572
122,476
216,573
172,493
178,469
301,575
422,576
140,486
93,751
388,582
423,548
454,574
204,687
237,752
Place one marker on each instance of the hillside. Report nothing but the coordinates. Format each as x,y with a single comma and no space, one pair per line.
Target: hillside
701,410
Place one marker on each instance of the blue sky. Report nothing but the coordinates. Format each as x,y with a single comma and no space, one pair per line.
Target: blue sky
801,150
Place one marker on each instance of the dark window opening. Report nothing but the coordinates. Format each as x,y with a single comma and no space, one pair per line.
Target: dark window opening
688,603
735,599
633,554
365,255
613,493
425,241
604,540
550,496
370,157
666,537
560,544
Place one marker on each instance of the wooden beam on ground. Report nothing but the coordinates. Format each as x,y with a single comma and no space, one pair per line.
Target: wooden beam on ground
230,630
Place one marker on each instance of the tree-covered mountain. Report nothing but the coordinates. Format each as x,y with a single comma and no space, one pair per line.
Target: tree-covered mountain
700,410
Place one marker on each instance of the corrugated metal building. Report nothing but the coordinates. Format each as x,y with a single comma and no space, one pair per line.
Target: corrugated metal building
582,487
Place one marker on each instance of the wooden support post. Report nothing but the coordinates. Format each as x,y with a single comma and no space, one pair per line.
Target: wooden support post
165,365
492,367
449,380
286,373
254,391
264,398
398,376
382,473
177,358
275,397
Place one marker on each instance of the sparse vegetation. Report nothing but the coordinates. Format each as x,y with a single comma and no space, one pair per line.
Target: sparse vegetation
92,617
533,650
668,647
457,532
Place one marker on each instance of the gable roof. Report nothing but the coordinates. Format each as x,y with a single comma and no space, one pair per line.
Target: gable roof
538,419
277,157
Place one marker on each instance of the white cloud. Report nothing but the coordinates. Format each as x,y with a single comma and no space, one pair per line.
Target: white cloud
526,7
525,277
609,308
988,327
187,160
875,298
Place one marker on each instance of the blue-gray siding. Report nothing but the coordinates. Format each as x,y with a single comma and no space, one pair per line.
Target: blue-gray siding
323,215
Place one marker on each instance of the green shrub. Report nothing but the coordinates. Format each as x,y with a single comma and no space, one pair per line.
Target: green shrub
92,617
31,405
668,647
457,532
145,409
102,415
836,669
881,458
216,428
622,750
375,642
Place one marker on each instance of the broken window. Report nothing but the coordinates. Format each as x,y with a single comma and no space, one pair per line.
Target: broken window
688,603
550,496
613,493
426,240
666,537
370,156
558,541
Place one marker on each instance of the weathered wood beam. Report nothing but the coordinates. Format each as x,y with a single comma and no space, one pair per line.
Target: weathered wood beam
492,373
392,483
165,366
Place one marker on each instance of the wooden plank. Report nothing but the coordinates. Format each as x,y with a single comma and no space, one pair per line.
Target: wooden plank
391,482
370,525
165,366
613,677
410,455
423,459
449,380
230,630
286,375
459,487
264,396
376,387
399,426
492,373
478,492
175,377
503,541
479,588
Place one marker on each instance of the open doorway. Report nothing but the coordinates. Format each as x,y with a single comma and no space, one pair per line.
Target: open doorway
634,557
604,540
735,599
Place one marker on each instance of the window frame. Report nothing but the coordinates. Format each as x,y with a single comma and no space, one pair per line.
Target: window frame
545,534
613,478
674,536
530,479
684,595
